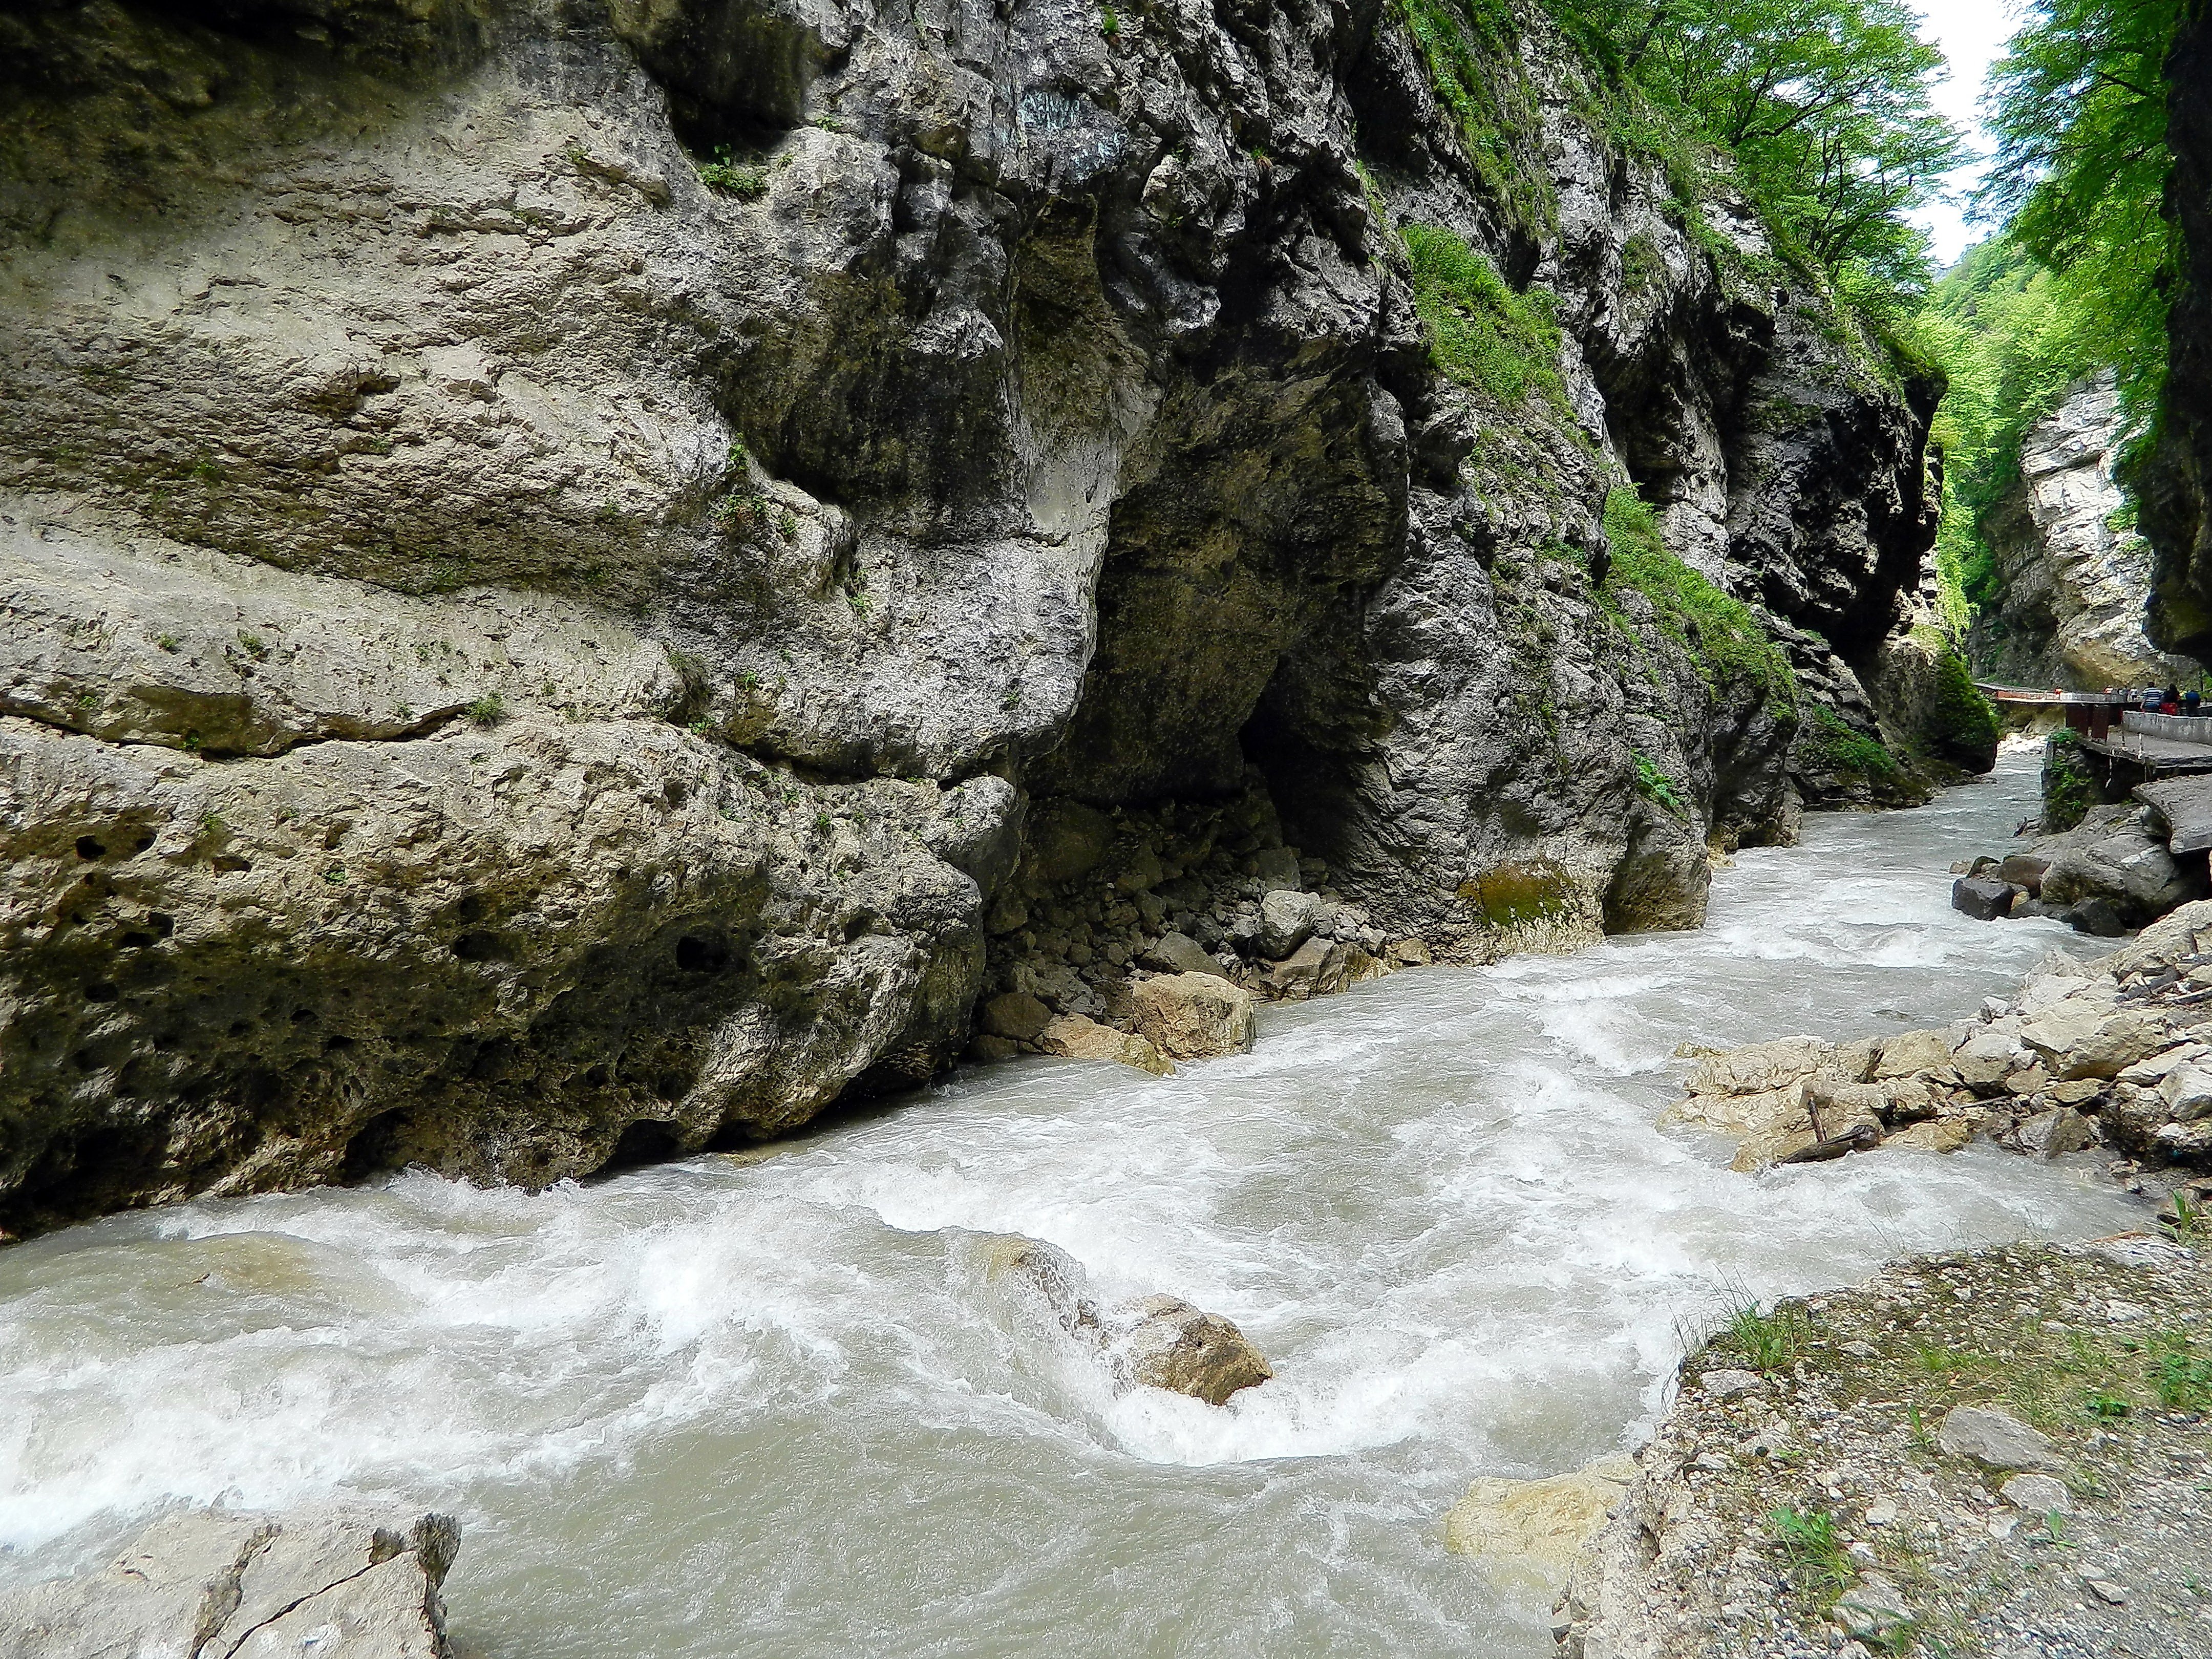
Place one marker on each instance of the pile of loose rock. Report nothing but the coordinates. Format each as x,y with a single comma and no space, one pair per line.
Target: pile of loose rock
2114,872
2115,1053
1147,937
2003,1454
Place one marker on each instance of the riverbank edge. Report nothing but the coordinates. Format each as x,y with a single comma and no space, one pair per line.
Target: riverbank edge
1809,1492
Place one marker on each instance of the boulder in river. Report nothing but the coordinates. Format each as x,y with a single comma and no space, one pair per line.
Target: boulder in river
1166,1343
1535,1528
1074,1037
1192,1015
334,1583
1153,1341
1983,897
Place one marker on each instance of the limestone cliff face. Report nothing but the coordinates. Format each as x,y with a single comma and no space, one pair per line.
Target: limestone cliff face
2073,576
552,549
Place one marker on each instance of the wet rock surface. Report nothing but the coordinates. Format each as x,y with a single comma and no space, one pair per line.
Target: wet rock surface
1152,1341
1845,1508
337,1583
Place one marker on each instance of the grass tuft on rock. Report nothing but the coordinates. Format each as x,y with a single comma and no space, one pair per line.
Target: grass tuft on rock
1833,746
1482,334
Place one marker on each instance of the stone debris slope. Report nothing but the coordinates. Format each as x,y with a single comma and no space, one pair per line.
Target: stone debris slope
2006,1453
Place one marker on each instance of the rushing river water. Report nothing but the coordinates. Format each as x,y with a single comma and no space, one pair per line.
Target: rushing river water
770,1408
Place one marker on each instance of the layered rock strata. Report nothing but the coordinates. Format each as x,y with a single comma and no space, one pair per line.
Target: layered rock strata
553,552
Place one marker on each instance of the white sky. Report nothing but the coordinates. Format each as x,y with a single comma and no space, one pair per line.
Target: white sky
1971,33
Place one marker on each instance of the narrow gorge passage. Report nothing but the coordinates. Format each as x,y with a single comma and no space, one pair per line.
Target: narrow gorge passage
770,1406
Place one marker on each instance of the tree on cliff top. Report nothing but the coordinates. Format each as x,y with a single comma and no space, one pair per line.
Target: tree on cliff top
1824,104
2078,106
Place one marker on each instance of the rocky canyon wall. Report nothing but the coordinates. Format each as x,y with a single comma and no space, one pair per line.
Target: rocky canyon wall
2073,570
582,580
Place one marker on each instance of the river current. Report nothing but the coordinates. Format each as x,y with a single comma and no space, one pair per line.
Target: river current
768,1407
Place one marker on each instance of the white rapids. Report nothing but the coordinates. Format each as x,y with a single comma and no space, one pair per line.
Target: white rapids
768,1406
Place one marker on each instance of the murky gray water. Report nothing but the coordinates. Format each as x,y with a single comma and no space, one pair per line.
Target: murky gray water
712,1409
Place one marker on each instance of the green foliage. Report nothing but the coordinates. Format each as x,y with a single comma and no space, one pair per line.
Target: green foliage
1481,333
2105,1405
1830,745
2011,335
2181,1377
1720,633
1471,48
487,711
2079,110
1812,1550
1963,716
1769,1341
744,179
2068,791
1109,22
1824,104
1652,782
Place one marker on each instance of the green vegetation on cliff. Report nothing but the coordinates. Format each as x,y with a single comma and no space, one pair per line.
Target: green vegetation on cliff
1825,107
1721,634
1481,333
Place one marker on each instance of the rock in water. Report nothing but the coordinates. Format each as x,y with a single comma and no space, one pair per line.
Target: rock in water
1074,1037
1192,1015
1536,1527
1156,1342
1997,1440
1983,897
333,1584
1168,1344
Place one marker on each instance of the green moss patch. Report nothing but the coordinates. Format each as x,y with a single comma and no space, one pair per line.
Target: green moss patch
1830,745
1518,895
2068,790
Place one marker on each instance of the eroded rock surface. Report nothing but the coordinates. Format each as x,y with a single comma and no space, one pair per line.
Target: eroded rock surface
579,583
207,1584
2073,575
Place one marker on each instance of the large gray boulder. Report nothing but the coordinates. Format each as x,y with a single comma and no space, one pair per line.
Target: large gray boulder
2126,866
338,1583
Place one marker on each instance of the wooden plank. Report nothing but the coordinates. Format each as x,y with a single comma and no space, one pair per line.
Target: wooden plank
2182,806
